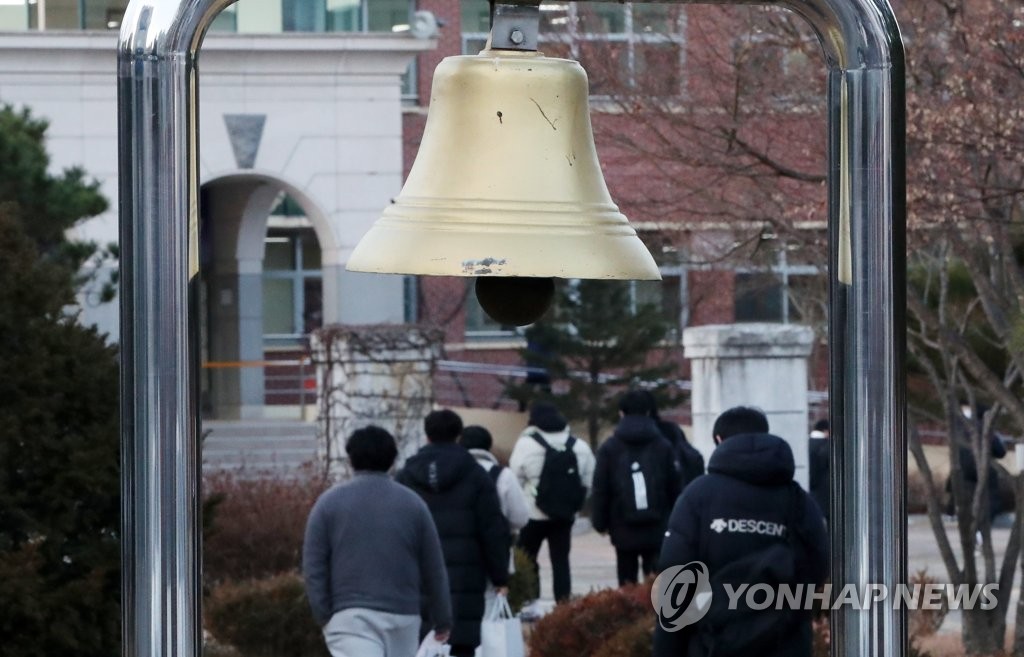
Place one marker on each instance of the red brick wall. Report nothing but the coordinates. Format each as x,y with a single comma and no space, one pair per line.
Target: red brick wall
449,42
645,189
711,297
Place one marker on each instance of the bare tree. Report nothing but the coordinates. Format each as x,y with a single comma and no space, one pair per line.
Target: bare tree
736,151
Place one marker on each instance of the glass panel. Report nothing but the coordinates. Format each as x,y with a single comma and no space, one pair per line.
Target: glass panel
663,294
280,254
102,14
310,251
226,20
312,304
656,18
310,15
14,16
476,16
808,298
288,207
554,19
601,17
385,14
763,59
556,47
657,68
62,15
605,64
344,15
758,298
258,16
278,306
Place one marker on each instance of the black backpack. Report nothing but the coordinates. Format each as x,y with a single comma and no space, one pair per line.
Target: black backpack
560,493
743,631
495,472
640,474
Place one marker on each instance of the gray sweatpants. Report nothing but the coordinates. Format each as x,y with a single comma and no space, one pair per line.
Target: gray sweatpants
371,633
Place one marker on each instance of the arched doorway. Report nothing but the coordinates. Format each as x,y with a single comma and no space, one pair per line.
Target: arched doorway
264,277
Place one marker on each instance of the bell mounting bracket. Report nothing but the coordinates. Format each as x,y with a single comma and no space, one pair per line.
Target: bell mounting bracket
515,26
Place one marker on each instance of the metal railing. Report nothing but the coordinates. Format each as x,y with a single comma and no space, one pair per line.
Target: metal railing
297,387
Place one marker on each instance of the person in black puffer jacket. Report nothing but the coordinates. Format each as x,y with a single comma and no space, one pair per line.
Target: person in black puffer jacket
474,534
745,508
635,486
689,461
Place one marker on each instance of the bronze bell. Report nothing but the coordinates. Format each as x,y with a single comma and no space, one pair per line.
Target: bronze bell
506,182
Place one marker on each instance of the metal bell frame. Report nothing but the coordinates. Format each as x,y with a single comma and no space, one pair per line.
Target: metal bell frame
158,188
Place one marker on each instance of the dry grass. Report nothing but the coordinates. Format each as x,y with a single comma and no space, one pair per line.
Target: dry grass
948,644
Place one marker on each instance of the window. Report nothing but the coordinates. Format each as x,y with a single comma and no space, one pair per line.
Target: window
292,285
616,43
61,14
782,292
667,295
273,16
759,297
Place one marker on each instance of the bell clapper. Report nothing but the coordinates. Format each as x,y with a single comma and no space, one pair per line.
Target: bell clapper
515,300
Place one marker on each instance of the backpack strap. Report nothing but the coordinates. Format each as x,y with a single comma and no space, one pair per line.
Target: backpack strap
540,441
570,441
495,472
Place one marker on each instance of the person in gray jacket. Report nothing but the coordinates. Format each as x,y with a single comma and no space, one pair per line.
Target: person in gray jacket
369,606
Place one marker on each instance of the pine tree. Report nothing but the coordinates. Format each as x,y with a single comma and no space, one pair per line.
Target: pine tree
59,468
593,344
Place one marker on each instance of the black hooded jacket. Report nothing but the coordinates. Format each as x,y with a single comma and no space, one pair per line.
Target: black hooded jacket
474,534
636,439
689,461
735,511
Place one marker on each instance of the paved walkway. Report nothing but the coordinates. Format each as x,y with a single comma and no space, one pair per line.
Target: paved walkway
593,561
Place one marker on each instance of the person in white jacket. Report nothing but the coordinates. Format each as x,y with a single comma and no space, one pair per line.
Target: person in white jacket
527,462
514,507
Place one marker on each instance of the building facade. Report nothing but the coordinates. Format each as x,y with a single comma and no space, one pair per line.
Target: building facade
300,148
311,112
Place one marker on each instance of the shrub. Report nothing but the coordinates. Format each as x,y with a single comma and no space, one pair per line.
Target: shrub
522,585
822,639
257,524
635,640
925,622
265,618
582,625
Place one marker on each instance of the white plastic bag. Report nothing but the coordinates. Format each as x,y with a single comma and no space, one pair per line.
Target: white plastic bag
431,647
501,633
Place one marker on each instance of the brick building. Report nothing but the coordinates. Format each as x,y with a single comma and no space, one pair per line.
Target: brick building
727,253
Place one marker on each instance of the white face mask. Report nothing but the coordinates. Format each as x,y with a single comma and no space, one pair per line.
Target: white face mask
966,410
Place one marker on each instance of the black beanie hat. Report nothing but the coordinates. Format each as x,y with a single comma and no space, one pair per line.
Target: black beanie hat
546,417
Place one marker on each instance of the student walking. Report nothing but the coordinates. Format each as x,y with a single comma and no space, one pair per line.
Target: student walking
474,534
748,522
514,507
368,606
555,470
636,482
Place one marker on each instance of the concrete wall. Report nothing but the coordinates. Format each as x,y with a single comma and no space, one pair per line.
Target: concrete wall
761,365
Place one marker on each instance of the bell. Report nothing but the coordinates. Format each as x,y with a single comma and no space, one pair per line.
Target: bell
506,182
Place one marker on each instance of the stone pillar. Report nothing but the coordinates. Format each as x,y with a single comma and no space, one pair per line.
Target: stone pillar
762,365
373,374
